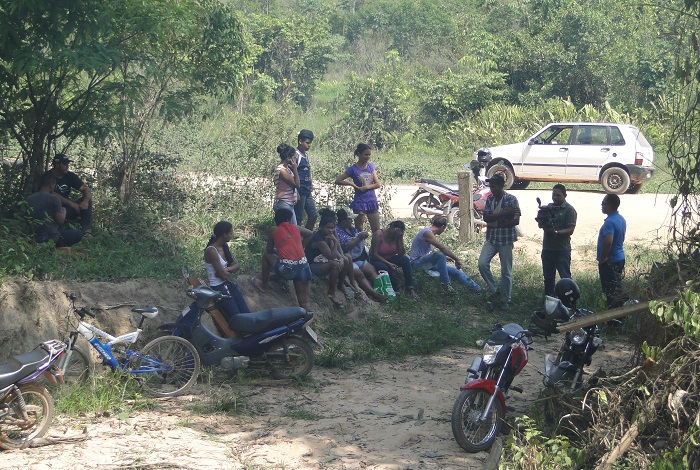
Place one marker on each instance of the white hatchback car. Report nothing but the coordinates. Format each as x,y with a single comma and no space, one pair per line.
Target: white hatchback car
617,156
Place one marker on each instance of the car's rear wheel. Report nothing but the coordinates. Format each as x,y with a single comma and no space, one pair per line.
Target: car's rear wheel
505,171
615,180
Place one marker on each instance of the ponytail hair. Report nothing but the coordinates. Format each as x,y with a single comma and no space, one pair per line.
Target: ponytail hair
220,229
286,151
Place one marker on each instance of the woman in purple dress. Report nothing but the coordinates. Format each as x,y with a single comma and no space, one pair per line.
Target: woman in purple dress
362,176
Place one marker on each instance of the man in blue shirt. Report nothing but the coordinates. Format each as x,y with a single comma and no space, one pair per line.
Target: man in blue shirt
305,201
501,214
610,254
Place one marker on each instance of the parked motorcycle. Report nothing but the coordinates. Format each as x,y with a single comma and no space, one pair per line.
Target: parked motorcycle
480,408
566,371
278,338
26,407
435,197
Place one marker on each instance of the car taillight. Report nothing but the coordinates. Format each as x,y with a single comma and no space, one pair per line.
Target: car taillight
638,158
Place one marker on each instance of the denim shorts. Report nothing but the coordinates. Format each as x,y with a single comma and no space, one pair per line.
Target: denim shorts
294,272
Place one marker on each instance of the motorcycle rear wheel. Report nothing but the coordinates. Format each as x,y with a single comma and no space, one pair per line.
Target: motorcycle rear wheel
427,202
291,357
172,351
16,432
470,433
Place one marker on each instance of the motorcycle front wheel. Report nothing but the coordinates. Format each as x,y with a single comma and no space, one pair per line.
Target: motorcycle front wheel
291,357
471,433
15,431
423,203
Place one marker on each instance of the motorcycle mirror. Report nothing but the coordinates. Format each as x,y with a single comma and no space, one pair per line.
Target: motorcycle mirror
539,202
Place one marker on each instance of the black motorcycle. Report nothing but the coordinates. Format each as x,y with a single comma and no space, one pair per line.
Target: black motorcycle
566,371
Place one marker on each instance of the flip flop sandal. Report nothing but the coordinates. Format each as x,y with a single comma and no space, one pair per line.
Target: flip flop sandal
335,303
349,293
258,285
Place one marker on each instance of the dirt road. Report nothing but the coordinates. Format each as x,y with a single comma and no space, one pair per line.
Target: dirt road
647,215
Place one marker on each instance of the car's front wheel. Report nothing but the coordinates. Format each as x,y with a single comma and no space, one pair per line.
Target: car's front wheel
615,180
505,171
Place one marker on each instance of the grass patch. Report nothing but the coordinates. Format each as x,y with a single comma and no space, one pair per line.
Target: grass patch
109,393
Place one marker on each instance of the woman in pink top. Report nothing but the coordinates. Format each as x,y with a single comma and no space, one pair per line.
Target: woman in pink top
286,180
388,253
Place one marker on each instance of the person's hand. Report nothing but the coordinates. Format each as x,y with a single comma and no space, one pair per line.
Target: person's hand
293,163
550,230
458,264
508,211
362,235
394,266
84,204
74,206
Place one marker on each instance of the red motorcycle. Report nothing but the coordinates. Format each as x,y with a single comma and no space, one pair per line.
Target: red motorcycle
480,408
439,198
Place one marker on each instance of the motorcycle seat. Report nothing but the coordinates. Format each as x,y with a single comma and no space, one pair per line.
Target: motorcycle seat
454,187
265,320
20,366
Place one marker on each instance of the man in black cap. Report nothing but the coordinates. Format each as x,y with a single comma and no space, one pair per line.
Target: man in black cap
47,215
305,202
501,214
80,209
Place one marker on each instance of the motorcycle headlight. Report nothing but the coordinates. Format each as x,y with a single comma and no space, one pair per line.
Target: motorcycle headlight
579,337
490,352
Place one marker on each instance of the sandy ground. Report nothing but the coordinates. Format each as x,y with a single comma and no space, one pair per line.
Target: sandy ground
386,415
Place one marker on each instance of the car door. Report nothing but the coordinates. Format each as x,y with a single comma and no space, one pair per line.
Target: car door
590,148
546,153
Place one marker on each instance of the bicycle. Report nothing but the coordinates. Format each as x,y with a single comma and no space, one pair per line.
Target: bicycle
165,367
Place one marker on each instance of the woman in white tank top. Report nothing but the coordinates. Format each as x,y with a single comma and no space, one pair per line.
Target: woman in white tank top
220,264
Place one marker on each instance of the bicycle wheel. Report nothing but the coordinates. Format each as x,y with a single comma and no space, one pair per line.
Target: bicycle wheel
291,357
168,366
78,368
15,431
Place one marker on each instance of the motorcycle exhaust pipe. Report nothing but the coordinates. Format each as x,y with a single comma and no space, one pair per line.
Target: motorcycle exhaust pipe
431,211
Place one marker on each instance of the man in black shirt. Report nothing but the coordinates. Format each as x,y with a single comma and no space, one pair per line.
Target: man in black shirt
48,215
80,209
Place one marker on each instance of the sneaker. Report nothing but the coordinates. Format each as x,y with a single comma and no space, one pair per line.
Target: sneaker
449,289
433,273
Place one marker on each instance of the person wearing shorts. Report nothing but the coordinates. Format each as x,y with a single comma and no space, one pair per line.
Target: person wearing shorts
284,255
362,177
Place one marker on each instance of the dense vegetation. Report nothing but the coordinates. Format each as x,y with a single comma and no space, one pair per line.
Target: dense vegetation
170,106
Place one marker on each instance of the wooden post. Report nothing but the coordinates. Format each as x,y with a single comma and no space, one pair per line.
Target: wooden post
466,203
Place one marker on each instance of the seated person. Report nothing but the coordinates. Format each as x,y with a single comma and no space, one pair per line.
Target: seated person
81,209
284,254
326,257
220,264
388,253
423,256
353,243
47,216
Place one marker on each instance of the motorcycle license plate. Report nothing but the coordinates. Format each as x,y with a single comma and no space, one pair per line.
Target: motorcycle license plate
311,333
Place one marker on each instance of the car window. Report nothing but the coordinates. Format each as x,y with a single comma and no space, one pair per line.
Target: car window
643,142
591,135
616,136
553,135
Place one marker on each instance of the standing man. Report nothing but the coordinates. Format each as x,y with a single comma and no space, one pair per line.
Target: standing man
48,215
306,201
558,226
610,255
65,181
501,214
423,256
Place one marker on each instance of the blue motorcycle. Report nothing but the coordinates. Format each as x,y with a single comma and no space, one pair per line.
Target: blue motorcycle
277,338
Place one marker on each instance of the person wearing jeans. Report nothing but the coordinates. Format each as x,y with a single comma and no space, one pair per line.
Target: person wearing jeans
501,214
610,254
558,225
423,256
388,253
